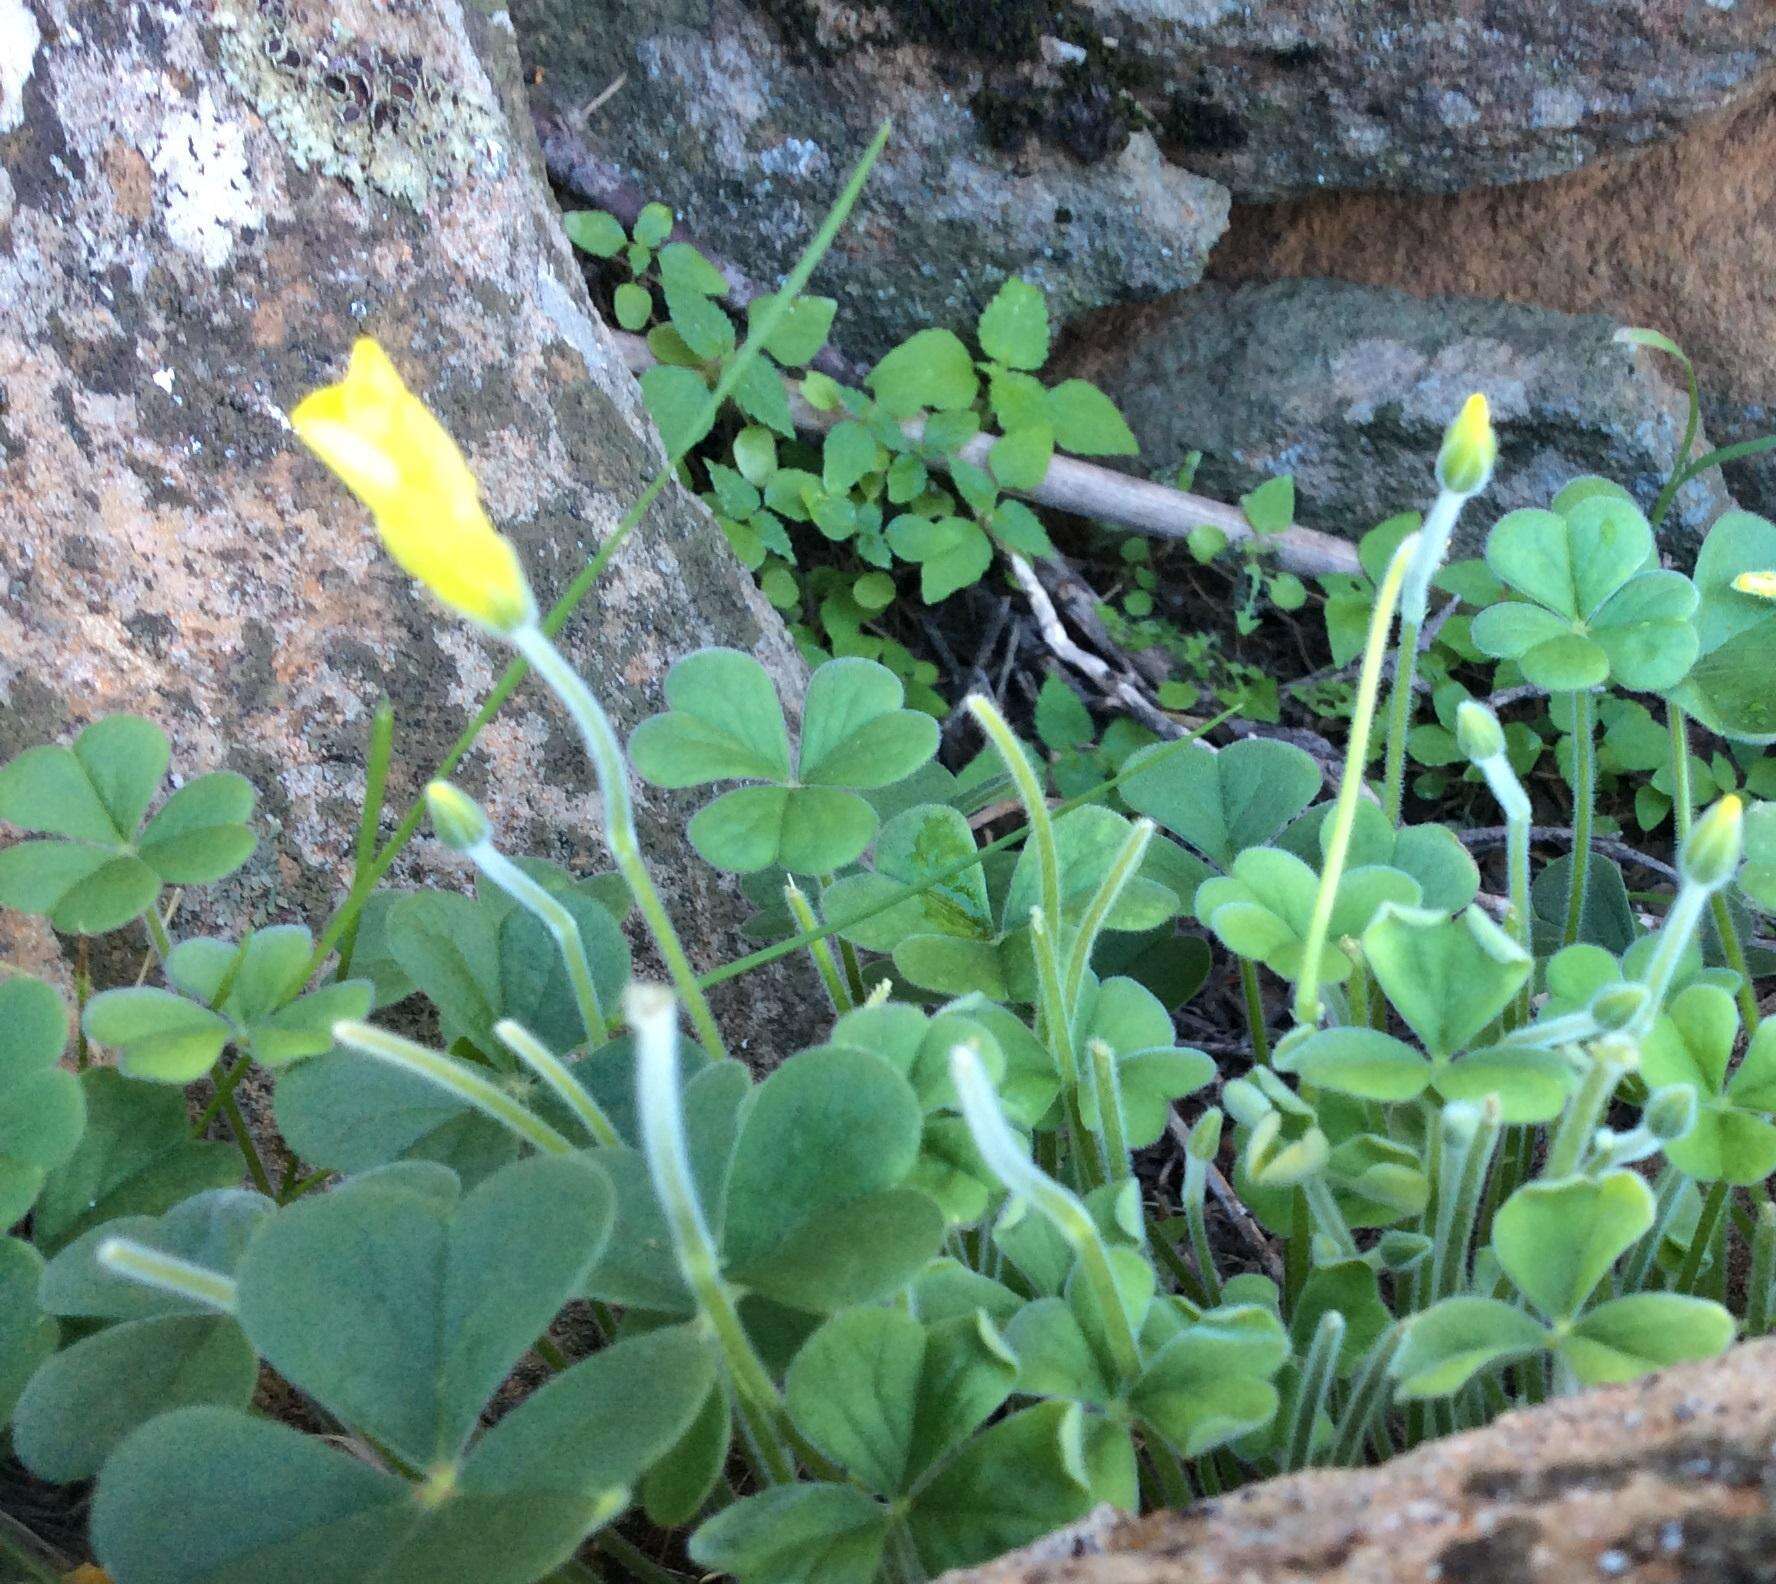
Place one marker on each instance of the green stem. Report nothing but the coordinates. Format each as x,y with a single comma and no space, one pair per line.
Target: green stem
1029,791
243,1138
1667,1196
771,316
1255,1021
1369,1396
637,1565
1400,721
1107,1089
837,991
1683,799
1317,1372
1057,1029
167,1273
660,1114
31,1566
376,770
1733,950
543,905
1327,1217
1712,1204
1584,801
225,1087
1196,1182
456,1078
158,937
1467,1163
1344,812
1005,1155
1123,868
1763,1270
612,772
555,1073
1579,1121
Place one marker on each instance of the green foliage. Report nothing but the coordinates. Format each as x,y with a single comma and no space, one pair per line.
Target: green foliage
903,1296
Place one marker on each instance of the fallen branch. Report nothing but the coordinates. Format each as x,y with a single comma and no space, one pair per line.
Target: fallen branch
1088,490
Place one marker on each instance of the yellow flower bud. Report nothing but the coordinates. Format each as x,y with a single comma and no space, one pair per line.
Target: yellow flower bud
1763,584
1469,449
1710,854
456,816
395,456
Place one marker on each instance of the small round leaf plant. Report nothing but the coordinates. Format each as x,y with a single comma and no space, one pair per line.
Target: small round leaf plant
895,1297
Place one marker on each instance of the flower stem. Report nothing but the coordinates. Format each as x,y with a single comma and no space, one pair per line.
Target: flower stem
1368,1398
803,913
460,1080
1344,812
1584,802
554,1072
660,1114
1393,796
1122,869
1255,1021
376,769
1317,1372
553,913
167,1273
1577,1124
1712,1204
612,771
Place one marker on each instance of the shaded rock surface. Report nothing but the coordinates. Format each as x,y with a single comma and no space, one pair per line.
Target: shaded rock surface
1349,388
1281,97
745,117
1679,237
1670,1478
200,207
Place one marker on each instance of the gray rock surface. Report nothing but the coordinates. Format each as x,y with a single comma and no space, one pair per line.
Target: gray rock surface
1282,97
1349,388
200,208
745,116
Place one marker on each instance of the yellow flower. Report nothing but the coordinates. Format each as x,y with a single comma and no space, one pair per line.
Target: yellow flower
395,456
1469,449
1762,584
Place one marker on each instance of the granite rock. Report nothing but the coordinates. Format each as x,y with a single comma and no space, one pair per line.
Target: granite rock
200,208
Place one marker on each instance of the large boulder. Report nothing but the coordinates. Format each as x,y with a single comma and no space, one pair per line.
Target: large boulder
200,208
1679,237
1664,1479
1349,388
1280,97
1012,151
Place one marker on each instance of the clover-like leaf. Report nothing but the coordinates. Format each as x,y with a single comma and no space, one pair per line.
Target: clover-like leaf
558,1466
726,724
27,1335
1452,1341
1631,1336
98,870
1733,1138
1263,909
136,1156
1152,1071
1213,1382
913,849
42,1110
1447,977
1222,802
1557,1240
1356,1061
440,1300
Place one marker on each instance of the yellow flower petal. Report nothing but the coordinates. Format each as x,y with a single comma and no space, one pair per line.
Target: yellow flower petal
393,454
1763,584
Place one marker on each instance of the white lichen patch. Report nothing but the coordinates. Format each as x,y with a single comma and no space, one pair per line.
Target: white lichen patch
205,193
19,38
361,109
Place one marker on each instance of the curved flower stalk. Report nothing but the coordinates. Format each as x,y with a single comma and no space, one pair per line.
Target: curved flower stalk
394,455
1464,467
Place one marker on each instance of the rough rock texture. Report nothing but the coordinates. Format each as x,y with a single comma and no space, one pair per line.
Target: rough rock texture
1280,97
745,116
200,207
1680,237
1669,1479
1349,388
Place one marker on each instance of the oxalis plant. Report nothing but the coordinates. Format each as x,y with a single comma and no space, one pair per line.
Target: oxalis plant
568,1273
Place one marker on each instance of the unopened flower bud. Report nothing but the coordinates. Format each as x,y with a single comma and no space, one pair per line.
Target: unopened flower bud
1204,1140
1478,733
1469,449
1670,1113
456,816
1617,1006
1762,584
1710,857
